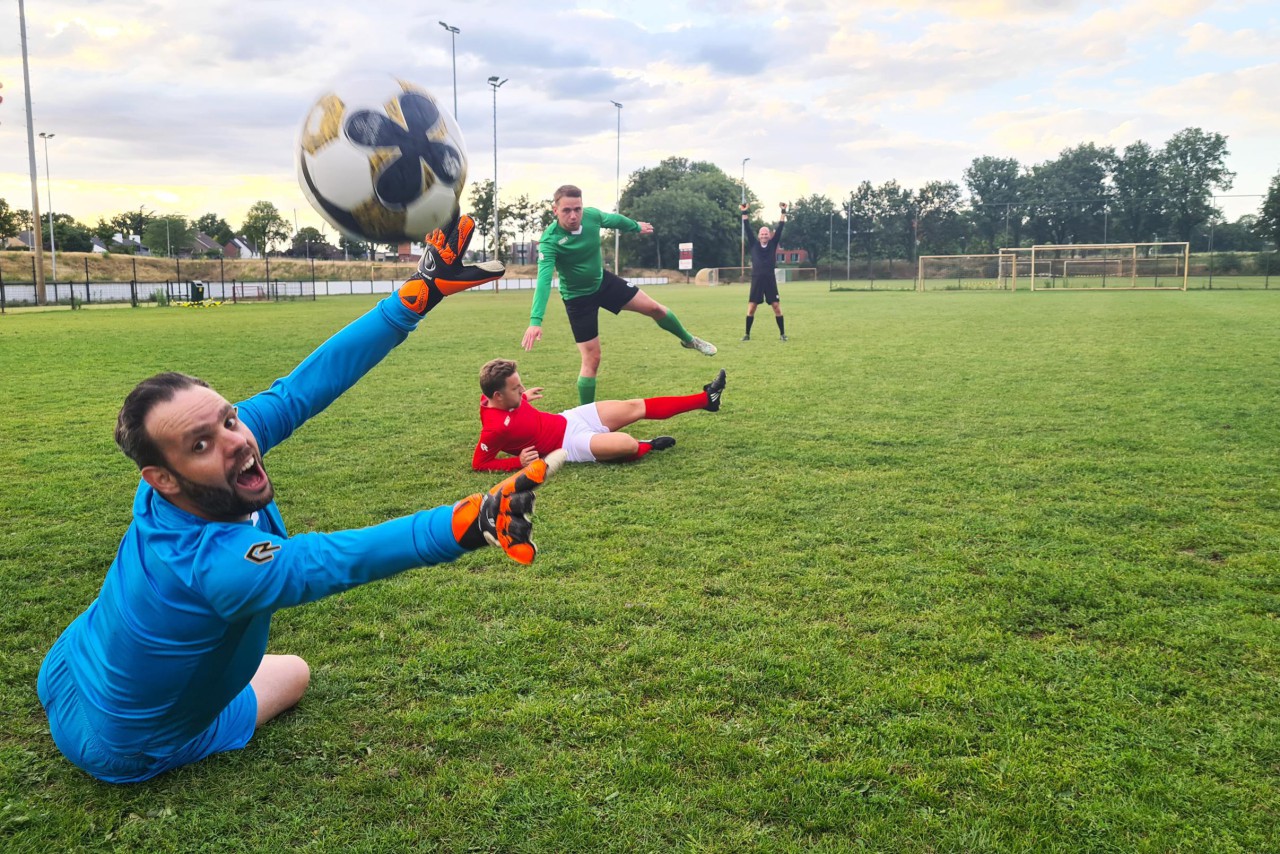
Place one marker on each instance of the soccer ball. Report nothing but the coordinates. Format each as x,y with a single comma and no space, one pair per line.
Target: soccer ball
381,161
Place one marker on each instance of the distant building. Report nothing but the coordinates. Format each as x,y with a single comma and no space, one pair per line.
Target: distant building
237,247
793,256
204,244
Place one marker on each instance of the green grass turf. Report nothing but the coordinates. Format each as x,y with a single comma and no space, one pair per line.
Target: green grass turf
948,572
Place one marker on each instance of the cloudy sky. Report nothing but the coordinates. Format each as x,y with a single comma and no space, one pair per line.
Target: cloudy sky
194,107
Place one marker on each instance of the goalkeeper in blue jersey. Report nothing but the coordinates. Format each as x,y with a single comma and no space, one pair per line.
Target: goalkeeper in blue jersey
168,664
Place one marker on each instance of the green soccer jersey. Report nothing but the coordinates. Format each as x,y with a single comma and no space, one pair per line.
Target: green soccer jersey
576,255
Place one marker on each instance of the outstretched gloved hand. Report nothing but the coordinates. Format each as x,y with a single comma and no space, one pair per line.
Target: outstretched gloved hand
441,271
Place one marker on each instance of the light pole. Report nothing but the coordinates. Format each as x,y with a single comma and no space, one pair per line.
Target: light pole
495,83
617,191
742,253
48,185
453,37
38,249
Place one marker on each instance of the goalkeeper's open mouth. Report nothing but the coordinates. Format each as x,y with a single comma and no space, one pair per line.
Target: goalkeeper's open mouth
251,476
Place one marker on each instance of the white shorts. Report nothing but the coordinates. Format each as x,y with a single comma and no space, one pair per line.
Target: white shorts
583,423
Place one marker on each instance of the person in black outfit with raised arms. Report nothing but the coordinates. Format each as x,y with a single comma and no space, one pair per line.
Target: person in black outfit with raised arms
764,281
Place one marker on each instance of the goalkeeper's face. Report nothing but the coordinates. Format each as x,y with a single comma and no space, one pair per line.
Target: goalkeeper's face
213,467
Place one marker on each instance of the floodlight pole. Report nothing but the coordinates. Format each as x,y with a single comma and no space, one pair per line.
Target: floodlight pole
48,183
453,37
495,83
617,192
742,248
31,159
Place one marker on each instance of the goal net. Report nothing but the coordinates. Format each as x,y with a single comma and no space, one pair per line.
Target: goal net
962,273
796,274
722,276
1107,266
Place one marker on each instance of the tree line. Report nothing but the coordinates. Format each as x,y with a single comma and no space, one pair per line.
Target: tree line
1087,194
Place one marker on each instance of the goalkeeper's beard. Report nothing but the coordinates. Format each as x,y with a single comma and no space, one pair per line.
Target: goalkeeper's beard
224,503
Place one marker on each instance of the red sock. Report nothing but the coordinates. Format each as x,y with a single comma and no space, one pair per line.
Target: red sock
644,448
665,407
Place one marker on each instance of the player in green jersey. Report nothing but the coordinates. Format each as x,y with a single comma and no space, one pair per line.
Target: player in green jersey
571,246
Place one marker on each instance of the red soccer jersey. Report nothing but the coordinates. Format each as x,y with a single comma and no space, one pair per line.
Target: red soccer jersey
511,431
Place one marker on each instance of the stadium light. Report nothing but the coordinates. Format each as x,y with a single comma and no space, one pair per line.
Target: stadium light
495,83
48,185
453,37
742,248
617,191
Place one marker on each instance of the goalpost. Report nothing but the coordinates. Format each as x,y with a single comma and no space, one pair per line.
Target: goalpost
1109,266
962,273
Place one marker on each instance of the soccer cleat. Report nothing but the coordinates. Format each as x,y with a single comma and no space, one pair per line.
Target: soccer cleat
714,389
660,443
500,516
746,337
706,348
441,271
782,338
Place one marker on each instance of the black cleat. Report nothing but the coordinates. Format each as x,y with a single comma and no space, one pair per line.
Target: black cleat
714,389
746,337
661,443
782,338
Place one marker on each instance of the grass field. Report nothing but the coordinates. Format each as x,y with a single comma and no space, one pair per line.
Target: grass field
948,572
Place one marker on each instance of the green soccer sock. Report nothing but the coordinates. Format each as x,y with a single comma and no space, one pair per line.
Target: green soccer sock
586,390
672,324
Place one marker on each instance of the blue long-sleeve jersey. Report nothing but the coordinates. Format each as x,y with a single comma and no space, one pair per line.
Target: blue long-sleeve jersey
180,624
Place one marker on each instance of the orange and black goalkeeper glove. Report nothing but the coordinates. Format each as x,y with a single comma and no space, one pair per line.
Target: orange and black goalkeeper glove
441,271
500,517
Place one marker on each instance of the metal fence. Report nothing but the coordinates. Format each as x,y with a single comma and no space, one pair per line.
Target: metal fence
88,292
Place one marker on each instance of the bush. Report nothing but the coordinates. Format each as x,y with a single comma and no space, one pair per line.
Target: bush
1227,262
1265,264
160,296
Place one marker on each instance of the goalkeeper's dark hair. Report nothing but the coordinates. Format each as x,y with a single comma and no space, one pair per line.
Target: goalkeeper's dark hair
565,190
494,374
131,431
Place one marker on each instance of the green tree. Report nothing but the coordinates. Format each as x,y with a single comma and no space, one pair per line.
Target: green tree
264,226
940,226
1137,204
1071,194
169,235
895,221
8,221
104,231
812,225
995,184
482,211
1239,236
309,242
216,227
1192,167
1268,225
714,197
71,236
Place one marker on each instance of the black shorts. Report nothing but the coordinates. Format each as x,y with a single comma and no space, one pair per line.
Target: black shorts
584,312
764,291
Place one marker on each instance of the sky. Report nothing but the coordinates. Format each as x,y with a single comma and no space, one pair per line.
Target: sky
195,107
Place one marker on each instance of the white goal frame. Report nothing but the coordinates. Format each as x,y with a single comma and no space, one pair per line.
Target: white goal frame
1000,282
1048,262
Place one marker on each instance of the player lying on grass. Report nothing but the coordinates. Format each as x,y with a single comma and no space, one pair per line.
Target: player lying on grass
571,246
511,424
167,665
